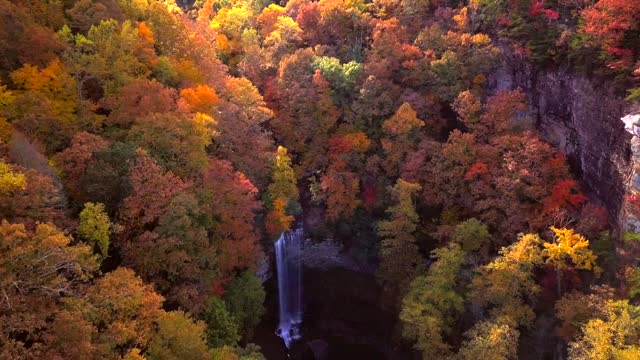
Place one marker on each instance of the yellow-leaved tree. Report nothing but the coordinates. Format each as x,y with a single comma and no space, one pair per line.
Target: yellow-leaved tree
612,336
400,259
282,194
94,227
10,180
569,251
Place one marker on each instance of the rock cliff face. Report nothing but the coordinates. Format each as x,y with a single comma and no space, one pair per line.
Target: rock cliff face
581,117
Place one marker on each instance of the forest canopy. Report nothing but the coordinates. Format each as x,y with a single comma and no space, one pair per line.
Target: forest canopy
151,151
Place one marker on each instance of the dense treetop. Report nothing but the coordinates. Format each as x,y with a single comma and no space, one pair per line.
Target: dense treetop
150,154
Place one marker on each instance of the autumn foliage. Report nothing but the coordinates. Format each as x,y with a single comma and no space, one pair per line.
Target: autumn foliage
150,153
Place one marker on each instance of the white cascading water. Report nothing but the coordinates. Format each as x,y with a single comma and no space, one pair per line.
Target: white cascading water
288,265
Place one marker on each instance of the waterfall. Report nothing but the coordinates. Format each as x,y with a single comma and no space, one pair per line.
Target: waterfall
288,251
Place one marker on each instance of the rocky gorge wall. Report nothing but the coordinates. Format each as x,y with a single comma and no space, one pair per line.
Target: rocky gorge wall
579,115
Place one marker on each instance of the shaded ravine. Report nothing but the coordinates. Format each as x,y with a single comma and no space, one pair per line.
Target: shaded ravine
342,316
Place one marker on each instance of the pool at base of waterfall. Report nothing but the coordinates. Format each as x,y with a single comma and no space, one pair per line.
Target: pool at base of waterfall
289,333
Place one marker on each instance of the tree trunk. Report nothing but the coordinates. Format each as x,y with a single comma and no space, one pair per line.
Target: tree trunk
559,282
